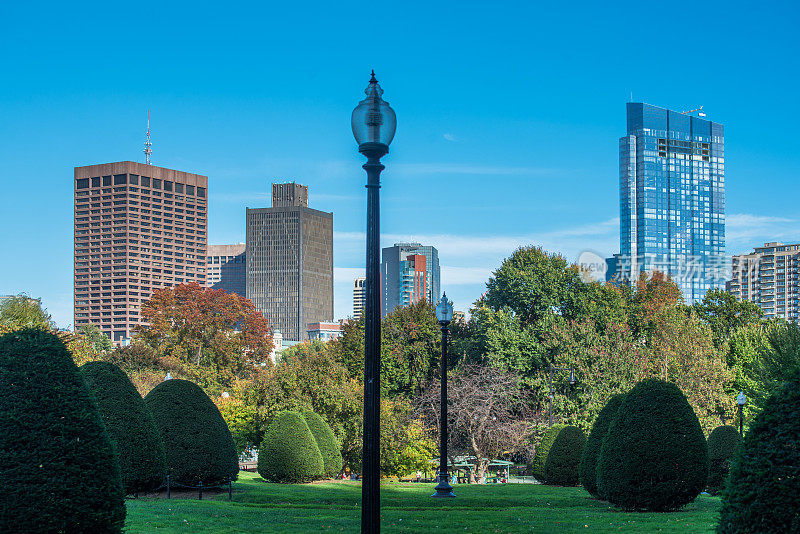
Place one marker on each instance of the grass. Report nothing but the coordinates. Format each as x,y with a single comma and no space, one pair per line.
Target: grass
334,507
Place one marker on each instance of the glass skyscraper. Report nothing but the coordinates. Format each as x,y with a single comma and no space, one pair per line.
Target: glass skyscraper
672,200
409,272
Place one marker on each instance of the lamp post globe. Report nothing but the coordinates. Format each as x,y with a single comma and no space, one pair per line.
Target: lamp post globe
374,123
444,314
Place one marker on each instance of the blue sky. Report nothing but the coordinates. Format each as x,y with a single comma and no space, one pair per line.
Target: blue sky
509,115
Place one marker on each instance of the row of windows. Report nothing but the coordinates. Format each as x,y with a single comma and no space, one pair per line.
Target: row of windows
145,181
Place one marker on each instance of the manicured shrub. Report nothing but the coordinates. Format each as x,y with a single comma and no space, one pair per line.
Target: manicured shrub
327,443
761,494
130,426
654,455
588,468
289,452
561,468
197,442
542,450
722,445
58,469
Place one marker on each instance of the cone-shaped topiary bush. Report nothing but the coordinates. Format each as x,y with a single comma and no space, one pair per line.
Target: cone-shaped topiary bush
722,445
542,450
130,426
327,443
197,442
591,451
289,452
654,456
58,469
761,494
561,468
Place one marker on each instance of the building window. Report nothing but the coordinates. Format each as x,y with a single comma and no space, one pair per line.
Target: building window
82,183
120,179
167,185
201,192
178,188
96,182
145,181
106,180
156,183
190,190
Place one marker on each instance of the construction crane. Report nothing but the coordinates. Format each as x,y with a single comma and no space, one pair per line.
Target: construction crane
700,110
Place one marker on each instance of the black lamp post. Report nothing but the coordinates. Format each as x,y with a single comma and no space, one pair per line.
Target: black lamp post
374,124
571,381
741,400
444,313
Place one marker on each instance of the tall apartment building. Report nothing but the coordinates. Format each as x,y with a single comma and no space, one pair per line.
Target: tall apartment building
770,277
409,273
226,268
137,228
672,200
359,297
290,261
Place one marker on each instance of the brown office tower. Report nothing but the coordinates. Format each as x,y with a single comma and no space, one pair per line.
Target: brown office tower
137,228
290,261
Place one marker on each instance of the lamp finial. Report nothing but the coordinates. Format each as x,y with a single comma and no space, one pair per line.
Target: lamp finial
373,79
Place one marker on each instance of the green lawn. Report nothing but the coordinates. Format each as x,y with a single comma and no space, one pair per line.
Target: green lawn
261,507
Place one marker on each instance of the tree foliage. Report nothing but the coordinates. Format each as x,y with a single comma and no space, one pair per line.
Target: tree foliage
654,455
546,441
327,444
197,442
130,426
562,466
761,494
218,336
722,444
289,452
59,469
23,311
591,452
725,314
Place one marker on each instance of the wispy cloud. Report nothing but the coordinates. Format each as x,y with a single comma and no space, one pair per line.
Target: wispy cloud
450,137
743,231
461,168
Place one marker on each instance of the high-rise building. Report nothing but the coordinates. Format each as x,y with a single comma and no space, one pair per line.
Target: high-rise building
770,277
672,200
226,268
359,297
290,261
137,228
409,273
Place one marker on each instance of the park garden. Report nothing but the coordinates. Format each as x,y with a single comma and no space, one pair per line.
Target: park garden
645,438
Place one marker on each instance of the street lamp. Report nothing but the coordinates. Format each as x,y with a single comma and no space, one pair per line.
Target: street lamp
741,400
373,123
571,382
444,313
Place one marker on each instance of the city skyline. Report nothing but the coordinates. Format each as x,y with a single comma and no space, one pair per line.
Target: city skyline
460,147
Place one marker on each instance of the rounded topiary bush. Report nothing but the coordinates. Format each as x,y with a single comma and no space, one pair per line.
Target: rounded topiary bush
542,450
289,452
588,468
561,468
722,445
761,494
58,469
197,442
129,424
327,443
654,455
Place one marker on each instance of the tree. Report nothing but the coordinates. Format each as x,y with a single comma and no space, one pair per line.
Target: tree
100,342
562,467
762,489
130,426
289,453
725,314
654,455
722,444
60,472
326,441
488,415
591,452
218,336
22,311
197,442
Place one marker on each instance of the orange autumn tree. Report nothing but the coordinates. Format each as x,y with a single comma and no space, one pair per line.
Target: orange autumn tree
215,335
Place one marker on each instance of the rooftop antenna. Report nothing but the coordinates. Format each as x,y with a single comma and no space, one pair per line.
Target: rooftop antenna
147,143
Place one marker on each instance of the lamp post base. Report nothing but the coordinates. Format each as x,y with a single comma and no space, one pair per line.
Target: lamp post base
444,489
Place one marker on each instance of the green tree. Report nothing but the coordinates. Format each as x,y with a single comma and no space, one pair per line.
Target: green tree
22,311
289,452
724,313
100,342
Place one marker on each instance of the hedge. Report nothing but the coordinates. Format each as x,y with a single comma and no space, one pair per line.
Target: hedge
591,451
59,469
762,491
197,442
562,466
289,452
654,456
722,445
540,457
130,426
327,443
